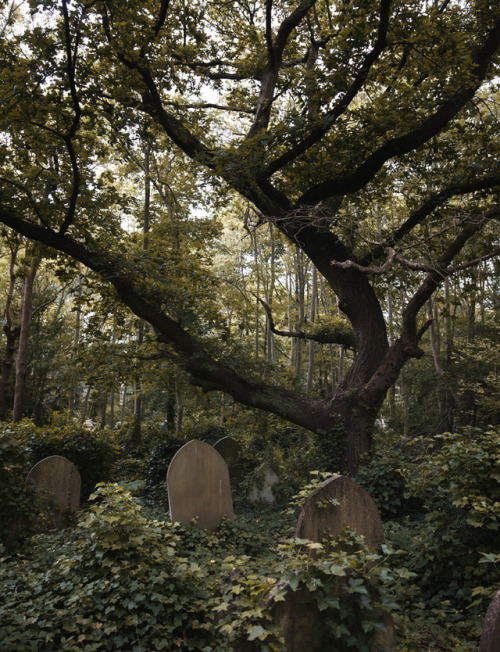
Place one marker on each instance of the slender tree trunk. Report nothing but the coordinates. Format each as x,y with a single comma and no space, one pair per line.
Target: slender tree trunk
180,409
300,288
136,436
312,317
24,336
11,335
271,354
76,337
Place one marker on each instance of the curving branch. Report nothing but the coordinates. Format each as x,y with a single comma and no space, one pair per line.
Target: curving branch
431,126
329,119
330,337
431,203
71,57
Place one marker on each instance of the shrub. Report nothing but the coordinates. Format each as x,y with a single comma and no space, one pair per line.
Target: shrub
93,452
159,459
21,505
122,581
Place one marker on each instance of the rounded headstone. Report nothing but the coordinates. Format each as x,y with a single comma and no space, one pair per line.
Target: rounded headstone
60,479
198,486
229,449
490,636
261,490
320,519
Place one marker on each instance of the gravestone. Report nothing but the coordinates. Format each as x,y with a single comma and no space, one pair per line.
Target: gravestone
320,519
303,626
60,479
230,450
198,486
262,486
490,636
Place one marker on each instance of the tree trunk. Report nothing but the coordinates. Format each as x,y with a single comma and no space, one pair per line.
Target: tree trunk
11,335
136,436
24,336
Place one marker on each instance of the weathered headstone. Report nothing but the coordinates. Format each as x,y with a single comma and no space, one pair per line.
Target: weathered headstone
303,626
60,479
261,490
198,486
490,636
230,450
321,519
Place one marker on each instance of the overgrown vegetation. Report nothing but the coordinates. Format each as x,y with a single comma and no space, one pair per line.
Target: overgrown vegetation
127,578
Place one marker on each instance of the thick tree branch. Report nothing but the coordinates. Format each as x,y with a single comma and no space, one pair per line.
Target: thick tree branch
205,371
433,202
329,119
274,61
431,126
434,279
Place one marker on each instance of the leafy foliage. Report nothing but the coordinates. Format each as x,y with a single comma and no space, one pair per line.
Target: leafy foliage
124,581
93,453
20,505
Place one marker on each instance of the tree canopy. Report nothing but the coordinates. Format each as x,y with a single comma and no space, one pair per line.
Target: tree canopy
364,132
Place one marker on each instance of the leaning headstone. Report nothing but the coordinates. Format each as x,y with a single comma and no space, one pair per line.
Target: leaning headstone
490,636
338,503
198,486
60,479
261,490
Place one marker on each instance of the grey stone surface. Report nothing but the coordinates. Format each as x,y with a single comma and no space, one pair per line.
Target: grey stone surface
490,636
60,479
320,519
198,486
261,490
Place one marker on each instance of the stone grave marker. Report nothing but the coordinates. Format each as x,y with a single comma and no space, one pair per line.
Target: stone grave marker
261,490
198,486
490,636
303,626
230,450
60,479
320,519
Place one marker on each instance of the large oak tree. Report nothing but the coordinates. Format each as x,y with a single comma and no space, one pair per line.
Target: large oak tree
314,111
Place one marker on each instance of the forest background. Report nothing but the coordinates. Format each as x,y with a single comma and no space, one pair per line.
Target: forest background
271,220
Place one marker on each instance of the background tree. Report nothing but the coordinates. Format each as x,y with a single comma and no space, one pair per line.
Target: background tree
353,129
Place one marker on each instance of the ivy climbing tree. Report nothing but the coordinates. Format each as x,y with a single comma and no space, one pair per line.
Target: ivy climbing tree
363,131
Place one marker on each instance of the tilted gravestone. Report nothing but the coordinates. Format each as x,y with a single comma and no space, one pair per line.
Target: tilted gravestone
490,636
198,486
60,479
321,519
261,490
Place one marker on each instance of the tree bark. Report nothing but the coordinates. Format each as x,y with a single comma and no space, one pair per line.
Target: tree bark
24,336
11,335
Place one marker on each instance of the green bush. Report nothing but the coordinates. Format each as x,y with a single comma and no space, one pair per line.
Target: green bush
159,459
383,473
23,508
122,581
452,543
94,453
